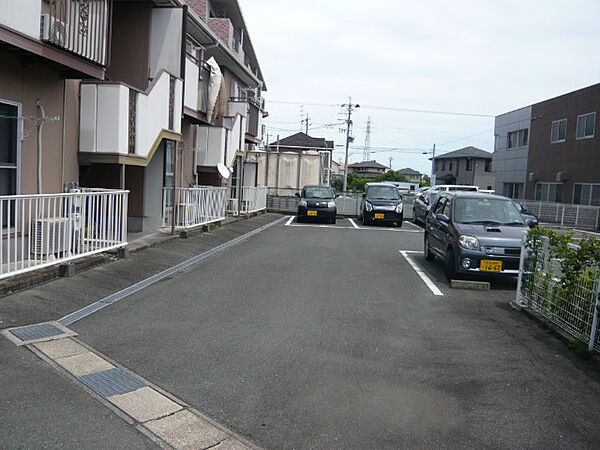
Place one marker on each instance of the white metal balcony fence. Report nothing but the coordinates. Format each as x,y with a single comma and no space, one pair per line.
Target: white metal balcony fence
570,304
254,199
195,206
568,215
46,229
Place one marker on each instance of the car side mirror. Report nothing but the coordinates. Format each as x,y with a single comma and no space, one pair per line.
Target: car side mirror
297,194
364,195
442,218
531,222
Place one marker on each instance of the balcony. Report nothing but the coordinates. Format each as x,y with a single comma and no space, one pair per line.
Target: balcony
197,77
220,144
78,26
120,120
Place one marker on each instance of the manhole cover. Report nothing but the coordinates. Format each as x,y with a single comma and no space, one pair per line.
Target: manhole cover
111,382
40,332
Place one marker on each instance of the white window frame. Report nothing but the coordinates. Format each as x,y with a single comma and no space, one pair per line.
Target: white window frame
591,190
552,126
19,140
577,126
549,183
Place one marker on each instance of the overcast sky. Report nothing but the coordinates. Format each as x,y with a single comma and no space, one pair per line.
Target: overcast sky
481,57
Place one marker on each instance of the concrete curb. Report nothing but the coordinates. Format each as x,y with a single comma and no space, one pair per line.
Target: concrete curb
41,276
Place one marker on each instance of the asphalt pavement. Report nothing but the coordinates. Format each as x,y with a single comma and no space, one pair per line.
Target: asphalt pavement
311,336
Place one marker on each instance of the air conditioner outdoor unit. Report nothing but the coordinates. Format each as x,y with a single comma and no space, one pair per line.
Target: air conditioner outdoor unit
51,236
53,30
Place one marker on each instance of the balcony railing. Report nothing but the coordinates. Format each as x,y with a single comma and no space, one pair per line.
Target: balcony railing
42,230
79,26
196,85
254,199
194,206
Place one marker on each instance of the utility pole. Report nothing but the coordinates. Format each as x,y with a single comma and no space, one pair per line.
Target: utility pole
432,180
390,163
367,149
305,122
350,108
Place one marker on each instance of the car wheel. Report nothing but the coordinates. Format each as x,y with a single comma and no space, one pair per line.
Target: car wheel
333,220
427,250
364,220
450,266
399,223
298,219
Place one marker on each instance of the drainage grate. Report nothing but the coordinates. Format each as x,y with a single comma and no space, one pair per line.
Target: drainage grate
37,332
111,382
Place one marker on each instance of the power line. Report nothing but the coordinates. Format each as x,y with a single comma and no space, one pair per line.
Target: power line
391,108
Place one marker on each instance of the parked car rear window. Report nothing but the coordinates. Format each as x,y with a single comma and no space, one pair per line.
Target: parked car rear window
318,192
486,210
463,188
383,193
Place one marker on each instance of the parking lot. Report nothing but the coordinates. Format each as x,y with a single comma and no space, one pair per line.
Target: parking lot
343,336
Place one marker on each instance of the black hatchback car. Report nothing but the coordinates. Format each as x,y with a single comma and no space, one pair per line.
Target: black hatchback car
316,203
475,233
382,203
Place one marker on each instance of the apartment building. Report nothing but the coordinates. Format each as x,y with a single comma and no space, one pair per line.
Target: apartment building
550,151
42,61
511,149
563,163
468,166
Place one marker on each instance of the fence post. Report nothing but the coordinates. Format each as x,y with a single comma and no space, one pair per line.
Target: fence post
518,303
597,217
562,219
595,319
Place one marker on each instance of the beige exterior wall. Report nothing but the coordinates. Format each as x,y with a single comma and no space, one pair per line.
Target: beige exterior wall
24,81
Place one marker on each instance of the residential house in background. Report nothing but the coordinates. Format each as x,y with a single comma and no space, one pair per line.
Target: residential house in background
550,151
511,147
414,176
295,161
367,169
467,166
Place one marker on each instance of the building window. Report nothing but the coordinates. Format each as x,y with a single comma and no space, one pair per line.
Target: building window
443,165
559,131
586,194
450,165
585,126
469,164
513,190
518,138
488,165
9,155
549,192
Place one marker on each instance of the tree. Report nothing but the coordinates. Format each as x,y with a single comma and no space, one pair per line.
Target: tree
426,181
391,175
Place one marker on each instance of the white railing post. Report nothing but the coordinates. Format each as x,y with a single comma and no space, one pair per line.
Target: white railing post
518,303
592,339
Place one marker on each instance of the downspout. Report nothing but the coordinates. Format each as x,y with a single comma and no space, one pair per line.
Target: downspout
38,102
64,133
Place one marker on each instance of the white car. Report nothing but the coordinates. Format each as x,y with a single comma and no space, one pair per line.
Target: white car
434,192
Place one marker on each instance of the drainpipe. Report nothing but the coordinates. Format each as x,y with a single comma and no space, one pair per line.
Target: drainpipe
38,103
64,133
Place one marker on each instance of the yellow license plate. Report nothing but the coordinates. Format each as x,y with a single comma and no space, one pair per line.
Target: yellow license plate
488,265
379,216
311,212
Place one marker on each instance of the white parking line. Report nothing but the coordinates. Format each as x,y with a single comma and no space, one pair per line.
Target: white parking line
413,225
290,220
353,224
430,284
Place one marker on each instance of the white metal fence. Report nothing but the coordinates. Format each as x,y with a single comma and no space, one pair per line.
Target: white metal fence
194,206
571,304
253,199
41,230
580,216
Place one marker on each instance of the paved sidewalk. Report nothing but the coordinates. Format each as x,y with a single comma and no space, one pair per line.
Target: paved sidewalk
42,408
